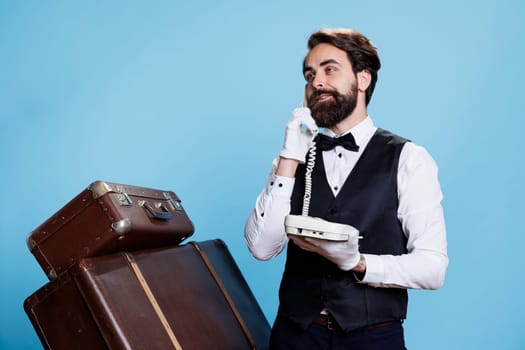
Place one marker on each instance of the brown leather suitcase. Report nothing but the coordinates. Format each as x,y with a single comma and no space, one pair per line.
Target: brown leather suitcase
187,297
106,218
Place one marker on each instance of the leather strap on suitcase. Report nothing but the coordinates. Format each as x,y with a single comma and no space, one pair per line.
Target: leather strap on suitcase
151,298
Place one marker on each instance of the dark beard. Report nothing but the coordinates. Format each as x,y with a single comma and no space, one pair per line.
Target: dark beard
330,113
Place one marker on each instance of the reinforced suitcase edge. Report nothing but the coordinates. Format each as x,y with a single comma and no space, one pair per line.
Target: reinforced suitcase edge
33,317
100,188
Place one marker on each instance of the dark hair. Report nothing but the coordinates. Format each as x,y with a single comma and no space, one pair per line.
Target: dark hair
360,50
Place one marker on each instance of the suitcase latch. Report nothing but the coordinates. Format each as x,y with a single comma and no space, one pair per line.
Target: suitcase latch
123,197
159,212
175,203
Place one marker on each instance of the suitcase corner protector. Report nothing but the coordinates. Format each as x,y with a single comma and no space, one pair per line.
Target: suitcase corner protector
99,188
30,242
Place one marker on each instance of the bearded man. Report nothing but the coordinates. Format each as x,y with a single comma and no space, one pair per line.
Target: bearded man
351,294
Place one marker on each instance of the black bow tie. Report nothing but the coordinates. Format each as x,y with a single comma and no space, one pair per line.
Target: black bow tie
326,143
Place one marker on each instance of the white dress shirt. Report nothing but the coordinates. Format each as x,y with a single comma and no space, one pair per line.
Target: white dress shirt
419,211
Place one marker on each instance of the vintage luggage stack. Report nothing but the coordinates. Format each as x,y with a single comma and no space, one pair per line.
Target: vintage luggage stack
130,283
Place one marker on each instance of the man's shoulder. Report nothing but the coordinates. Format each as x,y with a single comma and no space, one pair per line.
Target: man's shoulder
390,137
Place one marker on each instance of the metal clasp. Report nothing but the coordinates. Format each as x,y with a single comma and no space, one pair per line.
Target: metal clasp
331,324
175,203
123,197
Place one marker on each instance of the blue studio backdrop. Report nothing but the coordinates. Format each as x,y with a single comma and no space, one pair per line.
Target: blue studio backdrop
193,96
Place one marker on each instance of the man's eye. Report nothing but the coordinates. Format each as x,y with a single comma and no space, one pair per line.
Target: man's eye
330,69
309,77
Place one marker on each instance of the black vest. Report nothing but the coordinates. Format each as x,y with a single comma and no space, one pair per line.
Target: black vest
368,201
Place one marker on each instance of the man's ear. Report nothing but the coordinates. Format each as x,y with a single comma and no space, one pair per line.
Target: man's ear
363,80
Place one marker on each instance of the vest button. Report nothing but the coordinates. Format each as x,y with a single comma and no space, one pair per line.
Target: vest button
333,211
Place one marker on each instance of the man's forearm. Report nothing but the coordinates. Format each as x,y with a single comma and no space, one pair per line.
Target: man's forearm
264,230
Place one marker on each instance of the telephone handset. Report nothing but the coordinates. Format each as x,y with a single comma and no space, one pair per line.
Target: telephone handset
304,225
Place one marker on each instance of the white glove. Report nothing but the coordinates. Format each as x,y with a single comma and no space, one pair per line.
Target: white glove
344,254
297,141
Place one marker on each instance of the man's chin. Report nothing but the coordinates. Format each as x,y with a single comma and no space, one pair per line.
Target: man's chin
321,115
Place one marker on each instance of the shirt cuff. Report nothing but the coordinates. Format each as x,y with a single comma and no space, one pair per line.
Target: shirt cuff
375,269
281,186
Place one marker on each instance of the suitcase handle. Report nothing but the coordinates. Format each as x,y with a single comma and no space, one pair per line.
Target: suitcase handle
158,214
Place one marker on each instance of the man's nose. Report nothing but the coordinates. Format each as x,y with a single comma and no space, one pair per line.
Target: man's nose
318,81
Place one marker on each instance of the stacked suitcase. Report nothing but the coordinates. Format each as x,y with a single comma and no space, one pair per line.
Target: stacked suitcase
121,278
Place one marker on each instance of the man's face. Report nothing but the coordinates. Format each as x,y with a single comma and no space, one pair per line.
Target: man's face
331,88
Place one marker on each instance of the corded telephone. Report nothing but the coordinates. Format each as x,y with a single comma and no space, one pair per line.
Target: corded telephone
304,225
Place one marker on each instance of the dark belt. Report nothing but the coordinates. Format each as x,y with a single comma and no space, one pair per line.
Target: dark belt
330,323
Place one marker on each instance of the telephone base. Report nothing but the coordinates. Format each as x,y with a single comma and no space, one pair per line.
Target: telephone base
308,226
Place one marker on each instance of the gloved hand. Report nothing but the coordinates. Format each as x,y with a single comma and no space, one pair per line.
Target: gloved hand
297,141
344,254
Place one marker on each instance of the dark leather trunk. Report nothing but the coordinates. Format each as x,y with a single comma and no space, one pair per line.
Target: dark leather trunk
191,296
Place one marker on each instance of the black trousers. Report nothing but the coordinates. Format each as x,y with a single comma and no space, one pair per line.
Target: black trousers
288,336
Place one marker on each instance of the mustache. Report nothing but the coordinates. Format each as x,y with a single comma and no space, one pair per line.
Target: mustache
319,92
312,100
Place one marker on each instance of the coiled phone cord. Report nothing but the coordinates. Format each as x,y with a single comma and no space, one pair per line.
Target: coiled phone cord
308,179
